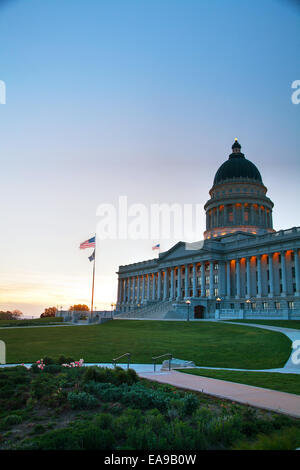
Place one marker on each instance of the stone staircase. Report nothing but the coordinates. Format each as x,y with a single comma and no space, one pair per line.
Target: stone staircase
156,310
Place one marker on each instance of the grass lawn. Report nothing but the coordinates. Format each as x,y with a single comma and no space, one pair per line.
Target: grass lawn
205,343
289,383
295,324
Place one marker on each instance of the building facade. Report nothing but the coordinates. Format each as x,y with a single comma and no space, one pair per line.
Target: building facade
243,267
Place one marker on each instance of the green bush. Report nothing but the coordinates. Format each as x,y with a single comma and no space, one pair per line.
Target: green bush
190,403
12,419
82,400
285,439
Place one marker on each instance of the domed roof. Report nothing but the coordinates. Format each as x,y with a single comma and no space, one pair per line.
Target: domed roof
237,166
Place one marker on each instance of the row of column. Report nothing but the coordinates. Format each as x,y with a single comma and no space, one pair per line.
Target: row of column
239,214
162,285
239,278
263,276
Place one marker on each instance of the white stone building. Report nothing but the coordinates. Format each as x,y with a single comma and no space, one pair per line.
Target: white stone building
243,268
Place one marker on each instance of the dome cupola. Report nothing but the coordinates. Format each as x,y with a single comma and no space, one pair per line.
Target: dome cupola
238,198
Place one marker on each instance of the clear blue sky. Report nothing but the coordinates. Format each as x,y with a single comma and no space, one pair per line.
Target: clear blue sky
132,97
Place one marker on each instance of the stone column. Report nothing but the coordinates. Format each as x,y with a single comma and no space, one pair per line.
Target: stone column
138,290
221,283
159,285
148,286
202,279
194,281
238,279
119,295
172,284
211,279
186,281
259,285
179,283
143,289
166,284
248,271
243,214
297,272
133,290
128,292
153,286
225,215
283,274
218,216
234,214
124,291
251,214
271,275
228,281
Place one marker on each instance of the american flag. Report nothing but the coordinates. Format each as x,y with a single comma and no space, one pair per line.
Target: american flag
90,243
156,247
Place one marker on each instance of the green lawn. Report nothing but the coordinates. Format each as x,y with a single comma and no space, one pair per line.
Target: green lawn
295,324
289,383
205,343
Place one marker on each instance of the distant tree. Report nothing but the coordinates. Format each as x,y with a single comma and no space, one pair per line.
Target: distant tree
49,312
6,315
16,314
79,308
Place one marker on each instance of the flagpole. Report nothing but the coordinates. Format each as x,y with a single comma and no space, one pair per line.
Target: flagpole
92,303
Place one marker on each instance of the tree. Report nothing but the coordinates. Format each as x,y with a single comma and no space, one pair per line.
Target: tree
6,315
79,308
16,314
49,312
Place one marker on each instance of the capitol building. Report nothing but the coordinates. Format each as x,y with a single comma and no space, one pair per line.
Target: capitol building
243,269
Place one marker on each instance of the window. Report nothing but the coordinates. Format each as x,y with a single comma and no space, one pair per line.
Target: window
265,305
242,306
206,292
206,279
216,292
216,279
232,306
277,305
253,305
216,266
291,305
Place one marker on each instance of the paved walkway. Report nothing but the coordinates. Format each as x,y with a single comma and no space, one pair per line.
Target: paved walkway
281,402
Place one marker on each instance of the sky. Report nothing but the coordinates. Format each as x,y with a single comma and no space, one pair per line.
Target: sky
135,98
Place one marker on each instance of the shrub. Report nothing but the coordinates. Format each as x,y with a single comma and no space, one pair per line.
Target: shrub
285,439
53,368
190,403
65,360
103,420
12,419
81,400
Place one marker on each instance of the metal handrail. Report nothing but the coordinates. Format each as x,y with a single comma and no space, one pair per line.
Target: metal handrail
114,361
163,355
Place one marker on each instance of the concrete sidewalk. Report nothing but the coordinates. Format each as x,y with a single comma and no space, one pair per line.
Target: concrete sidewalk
280,402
